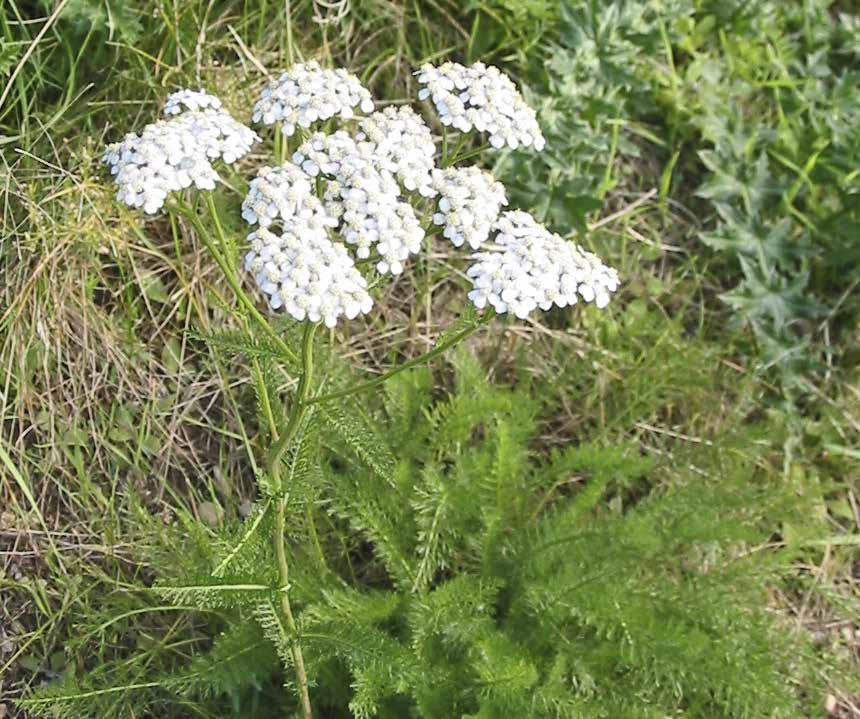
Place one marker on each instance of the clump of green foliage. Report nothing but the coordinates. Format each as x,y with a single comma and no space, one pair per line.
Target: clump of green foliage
471,576
750,105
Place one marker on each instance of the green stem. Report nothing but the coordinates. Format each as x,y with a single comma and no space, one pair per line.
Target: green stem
289,33
265,401
448,161
295,650
297,411
282,442
279,140
427,356
469,155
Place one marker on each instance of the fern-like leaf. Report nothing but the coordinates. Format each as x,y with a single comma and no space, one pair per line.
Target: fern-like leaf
350,424
213,595
251,534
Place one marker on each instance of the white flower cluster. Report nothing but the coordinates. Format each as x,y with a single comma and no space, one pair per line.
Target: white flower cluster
323,154
364,198
308,93
182,100
536,268
284,193
307,274
469,203
171,155
403,145
482,98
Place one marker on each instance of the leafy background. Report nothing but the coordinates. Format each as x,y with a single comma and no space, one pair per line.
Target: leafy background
642,512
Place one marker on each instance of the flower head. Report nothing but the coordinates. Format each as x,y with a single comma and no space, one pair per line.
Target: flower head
365,199
536,268
183,100
307,274
323,154
469,204
284,194
171,155
308,93
481,98
403,145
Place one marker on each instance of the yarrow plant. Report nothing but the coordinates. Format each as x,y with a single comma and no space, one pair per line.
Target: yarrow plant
350,206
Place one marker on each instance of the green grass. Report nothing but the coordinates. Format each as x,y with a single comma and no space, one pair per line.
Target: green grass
709,151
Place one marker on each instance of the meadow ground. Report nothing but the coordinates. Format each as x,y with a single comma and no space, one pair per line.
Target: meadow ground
708,150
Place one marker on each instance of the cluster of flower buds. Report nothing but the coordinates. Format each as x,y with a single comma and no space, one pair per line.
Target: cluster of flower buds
183,100
308,93
307,274
535,268
284,194
481,98
469,203
364,198
402,145
171,155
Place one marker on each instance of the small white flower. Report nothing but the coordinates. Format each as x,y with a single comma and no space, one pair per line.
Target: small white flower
481,98
183,100
535,268
469,203
283,194
403,145
171,155
307,93
306,274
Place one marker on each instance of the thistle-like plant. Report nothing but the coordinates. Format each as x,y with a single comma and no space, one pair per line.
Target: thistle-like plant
347,208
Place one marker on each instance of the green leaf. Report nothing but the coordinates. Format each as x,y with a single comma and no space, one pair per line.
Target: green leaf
348,422
251,532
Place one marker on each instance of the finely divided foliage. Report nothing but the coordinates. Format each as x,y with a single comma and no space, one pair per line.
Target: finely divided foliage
589,514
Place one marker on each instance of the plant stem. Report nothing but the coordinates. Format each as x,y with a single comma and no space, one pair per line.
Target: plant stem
297,411
470,154
289,33
436,351
447,160
284,571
